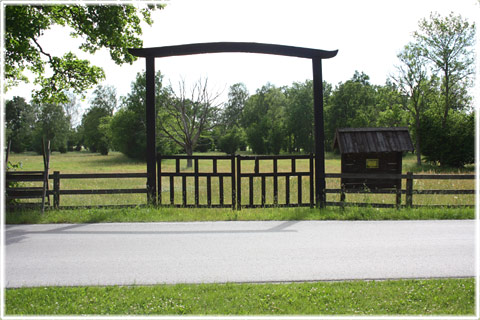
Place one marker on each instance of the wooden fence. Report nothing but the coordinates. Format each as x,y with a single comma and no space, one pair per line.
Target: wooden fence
57,191
233,184
196,175
409,191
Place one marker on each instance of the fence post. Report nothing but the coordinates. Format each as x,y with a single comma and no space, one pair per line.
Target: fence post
234,183
398,196
409,192
342,196
159,179
239,184
312,191
56,189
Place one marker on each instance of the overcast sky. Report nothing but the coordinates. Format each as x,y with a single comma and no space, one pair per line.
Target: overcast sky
368,34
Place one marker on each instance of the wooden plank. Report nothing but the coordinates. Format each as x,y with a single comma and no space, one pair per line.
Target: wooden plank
279,157
287,190
220,190
250,189
196,183
217,47
263,192
103,191
443,191
209,191
184,190
232,172
445,176
100,175
172,190
409,191
363,191
159,179
56,189
199,174
239,183
196,157
299,185
312,182
275,181
279,174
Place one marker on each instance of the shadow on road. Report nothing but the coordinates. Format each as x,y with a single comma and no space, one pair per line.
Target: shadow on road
15,234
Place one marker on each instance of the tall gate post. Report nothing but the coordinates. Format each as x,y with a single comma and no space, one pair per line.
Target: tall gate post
320,185
150,121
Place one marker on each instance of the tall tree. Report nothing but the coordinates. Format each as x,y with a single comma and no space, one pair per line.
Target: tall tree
352,104
237,97
188,114
412,81
20,118
105,97
52,124
299,116
448,42
264,120
104,102
114,27
128,125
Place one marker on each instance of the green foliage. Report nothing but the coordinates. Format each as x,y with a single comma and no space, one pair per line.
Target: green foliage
452,145
128,133
20,120
232,141
352,105
53,125
127,127
448,43
114,27
95,122
233,112
394,297
95,139
299,116
264,120
75,139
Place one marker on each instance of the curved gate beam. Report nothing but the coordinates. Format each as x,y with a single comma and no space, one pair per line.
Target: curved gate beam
247,47
218,47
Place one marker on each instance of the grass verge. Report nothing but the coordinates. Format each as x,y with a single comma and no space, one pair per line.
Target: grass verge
149,214
399,297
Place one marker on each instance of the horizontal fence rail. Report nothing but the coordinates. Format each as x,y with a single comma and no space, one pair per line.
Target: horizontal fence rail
409,191
248,182
57,192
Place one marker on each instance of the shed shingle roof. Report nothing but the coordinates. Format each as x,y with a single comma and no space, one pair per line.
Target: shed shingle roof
372,140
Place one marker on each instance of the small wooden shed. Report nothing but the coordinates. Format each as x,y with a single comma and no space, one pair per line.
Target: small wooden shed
372,150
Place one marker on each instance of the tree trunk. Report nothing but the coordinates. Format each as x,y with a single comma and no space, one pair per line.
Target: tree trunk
447,100
417,139
189,151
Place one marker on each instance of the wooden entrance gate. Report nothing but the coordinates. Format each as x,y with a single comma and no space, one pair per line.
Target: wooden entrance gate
236,181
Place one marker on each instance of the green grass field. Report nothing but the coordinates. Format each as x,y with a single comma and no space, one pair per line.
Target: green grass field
85,162
401,297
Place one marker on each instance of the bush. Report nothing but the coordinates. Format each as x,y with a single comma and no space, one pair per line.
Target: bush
230,142
452,146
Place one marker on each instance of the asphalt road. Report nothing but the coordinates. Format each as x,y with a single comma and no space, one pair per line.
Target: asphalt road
272,251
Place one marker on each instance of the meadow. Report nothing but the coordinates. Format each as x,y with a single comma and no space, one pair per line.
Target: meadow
429,297
86,162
